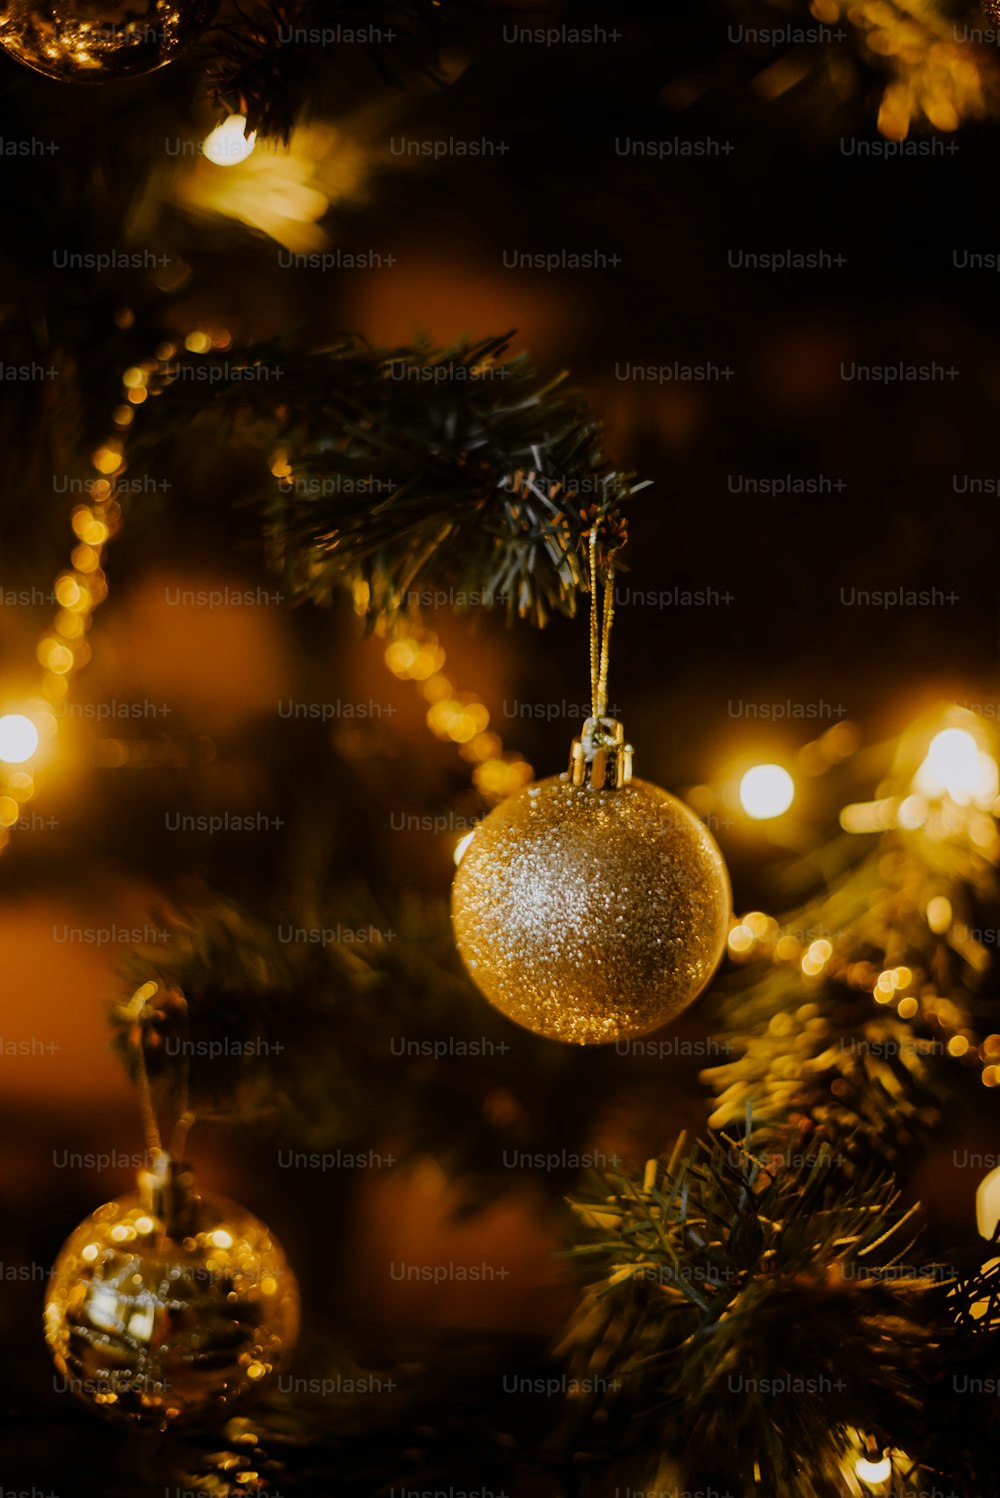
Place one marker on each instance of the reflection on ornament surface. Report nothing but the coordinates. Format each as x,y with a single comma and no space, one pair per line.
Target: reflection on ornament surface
96,41
587,915
166,1329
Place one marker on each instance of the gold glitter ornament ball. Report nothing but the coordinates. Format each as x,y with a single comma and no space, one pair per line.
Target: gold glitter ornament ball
96,41
169,1325
588,915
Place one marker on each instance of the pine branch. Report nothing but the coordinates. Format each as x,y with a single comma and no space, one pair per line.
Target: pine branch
329,1025
263,64
870,1063
250,72
828,1063
753,1320
785,1263
408,476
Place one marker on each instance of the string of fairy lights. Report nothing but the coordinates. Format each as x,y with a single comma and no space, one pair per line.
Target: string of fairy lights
908,990
459,717
953,794
414,653
28,734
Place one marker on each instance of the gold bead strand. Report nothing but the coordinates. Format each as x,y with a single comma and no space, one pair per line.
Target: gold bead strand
63,648
415,654
458,717
27,736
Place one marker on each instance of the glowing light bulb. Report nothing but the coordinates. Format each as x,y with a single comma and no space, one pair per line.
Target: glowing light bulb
766,791
956,766
873,1472
18,738
227,144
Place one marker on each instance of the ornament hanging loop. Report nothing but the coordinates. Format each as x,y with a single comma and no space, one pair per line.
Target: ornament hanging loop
168,1192
600,757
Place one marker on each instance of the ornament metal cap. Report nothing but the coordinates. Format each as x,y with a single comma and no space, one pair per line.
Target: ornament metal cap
167,1191
600,757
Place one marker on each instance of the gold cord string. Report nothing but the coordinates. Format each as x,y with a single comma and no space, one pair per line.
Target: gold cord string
594,647
600,632
178,1139
186,1116
81,587
151,1128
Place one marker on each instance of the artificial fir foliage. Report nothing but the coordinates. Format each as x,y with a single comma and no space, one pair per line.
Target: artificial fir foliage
875,1071
753,1315
407,473
407,1048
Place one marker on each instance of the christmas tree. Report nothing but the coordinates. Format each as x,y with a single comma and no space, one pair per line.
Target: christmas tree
499,780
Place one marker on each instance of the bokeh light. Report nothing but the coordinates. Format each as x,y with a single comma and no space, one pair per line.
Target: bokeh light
18,738
939,914
873,1472
228,144
766,791
956,766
